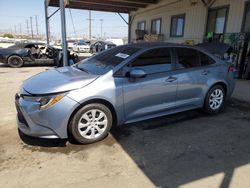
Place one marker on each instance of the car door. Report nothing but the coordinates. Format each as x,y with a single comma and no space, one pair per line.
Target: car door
154,94
192,77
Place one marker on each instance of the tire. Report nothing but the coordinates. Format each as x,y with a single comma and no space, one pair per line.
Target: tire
215,100
15,61
83,128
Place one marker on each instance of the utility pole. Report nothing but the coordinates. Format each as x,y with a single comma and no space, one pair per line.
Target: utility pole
31,28
20,28
27,26
101,26
90,20
37,33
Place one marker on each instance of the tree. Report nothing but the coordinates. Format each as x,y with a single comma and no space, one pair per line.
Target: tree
8,35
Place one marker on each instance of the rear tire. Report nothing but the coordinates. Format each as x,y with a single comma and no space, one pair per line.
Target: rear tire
91,123
215,100
15,61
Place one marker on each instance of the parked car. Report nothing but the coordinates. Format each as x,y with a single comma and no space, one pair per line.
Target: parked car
122,85
70,44
81,47
100,46
19,54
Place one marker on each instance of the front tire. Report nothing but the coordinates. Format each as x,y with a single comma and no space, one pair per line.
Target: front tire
215,100
15,61
91,123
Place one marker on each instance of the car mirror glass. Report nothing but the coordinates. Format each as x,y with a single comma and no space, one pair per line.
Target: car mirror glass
137,73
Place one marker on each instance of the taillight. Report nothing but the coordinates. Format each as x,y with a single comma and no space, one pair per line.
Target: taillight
231,68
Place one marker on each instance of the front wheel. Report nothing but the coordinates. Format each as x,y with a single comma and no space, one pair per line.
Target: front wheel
91,123
15,61
215,99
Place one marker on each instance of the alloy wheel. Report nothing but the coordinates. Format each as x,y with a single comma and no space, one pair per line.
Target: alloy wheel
92,124
216,99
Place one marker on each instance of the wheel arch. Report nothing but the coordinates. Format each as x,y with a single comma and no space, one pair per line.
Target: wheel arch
221,83
91,101
15,55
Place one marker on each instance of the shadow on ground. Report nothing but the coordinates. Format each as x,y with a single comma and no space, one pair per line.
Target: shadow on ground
185,147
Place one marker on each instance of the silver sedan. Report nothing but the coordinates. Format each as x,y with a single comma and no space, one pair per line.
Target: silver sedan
122,85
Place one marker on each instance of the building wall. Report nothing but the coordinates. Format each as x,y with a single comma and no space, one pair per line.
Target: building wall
195,19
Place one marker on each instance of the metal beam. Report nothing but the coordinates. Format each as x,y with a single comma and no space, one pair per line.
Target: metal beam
96,7
122,6
63,30
53,13
123,18
110,3
46,21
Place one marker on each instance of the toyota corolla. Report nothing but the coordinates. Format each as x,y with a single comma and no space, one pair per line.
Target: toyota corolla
125,84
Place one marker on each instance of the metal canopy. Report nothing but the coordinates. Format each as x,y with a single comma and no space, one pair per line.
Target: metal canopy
118,6
121,6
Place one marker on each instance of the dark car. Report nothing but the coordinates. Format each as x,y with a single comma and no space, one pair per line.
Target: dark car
24,53
100,46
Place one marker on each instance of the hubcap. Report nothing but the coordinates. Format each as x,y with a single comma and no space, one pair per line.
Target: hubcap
15,61
92,124
216,99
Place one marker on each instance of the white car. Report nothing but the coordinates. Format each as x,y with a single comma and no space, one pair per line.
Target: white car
81,47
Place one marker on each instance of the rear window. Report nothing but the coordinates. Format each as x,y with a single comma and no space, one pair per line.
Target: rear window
188,58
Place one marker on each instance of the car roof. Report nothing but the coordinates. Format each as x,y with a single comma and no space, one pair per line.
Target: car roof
149,45
155,44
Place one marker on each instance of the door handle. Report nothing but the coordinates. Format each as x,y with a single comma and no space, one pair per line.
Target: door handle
205,72
170,79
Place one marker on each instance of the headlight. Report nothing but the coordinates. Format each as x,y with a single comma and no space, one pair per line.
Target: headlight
45,101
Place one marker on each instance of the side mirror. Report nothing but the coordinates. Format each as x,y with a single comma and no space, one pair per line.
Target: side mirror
137,73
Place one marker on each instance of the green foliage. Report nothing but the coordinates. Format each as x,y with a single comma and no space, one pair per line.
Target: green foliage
8,35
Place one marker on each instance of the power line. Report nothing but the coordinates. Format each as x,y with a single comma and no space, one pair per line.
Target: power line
90,20
101,26
72,22
27,26
37,33
31,28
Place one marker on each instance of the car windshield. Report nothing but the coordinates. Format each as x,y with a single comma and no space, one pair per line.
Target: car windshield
82,43
107,60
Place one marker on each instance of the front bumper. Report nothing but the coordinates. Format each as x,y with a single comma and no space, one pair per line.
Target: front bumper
49,123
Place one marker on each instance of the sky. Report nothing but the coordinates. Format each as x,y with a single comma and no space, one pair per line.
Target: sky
16,12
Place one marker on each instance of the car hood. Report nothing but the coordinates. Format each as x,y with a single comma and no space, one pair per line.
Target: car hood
58,80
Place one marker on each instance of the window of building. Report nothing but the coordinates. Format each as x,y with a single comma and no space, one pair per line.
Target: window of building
154,61
177,25
246,22
156,26
217,19
141,25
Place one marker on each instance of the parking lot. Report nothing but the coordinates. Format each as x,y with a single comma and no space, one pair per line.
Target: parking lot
189,149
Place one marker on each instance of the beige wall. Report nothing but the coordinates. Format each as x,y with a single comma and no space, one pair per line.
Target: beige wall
195,20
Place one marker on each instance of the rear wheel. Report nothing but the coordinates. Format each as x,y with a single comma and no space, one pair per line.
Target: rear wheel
215,99
15,61
91,123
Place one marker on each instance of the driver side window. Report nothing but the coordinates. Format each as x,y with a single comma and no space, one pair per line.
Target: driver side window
154,61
